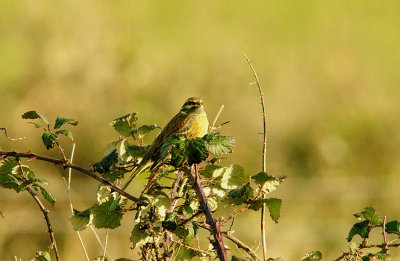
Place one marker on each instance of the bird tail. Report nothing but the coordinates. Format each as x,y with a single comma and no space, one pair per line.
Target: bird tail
136,172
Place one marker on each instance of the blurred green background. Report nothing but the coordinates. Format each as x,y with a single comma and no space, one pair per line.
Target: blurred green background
330,74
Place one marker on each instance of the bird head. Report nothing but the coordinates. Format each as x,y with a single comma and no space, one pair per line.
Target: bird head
192,104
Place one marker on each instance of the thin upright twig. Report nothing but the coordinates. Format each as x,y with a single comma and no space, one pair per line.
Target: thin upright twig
68,186
216,118
67,164
264,155
384,232
105,244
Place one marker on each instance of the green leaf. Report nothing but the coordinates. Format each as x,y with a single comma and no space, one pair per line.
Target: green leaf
169,222
312,256
139,236
108,214
369,214
9,182
37,125
266,182
47,195
81,219
241,195
392,227
35,115
274,207
112,176
125,125
174,141
135,153
42,256
106,163
218,144
197,151
7,166
67,133
361,228
61,121
383,255
185,254
233,176
143,130
49,140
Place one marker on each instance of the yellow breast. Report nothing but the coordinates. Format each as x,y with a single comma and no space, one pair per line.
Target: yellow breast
199,126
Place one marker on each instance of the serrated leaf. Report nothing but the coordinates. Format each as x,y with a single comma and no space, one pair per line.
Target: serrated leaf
9,182
112,176
233,177
67,133
185,254
218,144
369,214
173,141
361,228
7,165
49,140
81,219
312,256
383,255
125,125
106,163
42,256
274,207
35,115
143,130
108,214
266,182
392,227
139,236
47,195
61,121
197,151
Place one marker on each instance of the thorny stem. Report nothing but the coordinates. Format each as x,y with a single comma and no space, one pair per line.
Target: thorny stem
45,211
171,208
264,159
215,227
67,164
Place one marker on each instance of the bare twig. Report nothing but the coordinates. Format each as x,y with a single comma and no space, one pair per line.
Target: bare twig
215,227
68,186
235,240
264,155
5,132
45,211
216,118
242,245
66,164
384,232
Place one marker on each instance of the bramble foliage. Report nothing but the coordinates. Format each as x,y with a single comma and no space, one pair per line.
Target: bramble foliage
369,221
181,197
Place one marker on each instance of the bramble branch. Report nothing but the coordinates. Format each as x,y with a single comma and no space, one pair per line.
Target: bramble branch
45,212
215,227
67,164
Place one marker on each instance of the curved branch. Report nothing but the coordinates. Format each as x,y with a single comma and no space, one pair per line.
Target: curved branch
67,164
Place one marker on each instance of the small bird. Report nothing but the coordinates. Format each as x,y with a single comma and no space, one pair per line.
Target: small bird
191,121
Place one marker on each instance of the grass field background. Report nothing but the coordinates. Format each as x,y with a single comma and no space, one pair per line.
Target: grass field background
330,72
